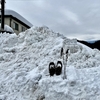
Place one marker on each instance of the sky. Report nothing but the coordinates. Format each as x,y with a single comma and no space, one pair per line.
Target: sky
74,18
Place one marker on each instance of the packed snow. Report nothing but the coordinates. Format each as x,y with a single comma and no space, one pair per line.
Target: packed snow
24,72
8,28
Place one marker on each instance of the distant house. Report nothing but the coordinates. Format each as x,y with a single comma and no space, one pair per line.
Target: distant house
16,21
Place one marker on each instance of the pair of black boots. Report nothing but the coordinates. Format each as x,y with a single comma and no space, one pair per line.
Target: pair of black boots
55,69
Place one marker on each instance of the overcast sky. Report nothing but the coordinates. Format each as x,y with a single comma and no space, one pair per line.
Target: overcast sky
73,18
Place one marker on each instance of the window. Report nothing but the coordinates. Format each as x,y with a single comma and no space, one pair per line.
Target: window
16,26
23,28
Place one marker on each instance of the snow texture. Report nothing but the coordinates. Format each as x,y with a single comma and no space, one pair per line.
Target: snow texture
8,28
24,67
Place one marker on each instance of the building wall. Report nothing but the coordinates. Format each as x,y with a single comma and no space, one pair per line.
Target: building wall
7,21
11,23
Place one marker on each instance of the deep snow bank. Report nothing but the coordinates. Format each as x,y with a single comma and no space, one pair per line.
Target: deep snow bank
24,71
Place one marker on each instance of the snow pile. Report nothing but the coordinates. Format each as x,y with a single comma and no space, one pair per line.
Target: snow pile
24,61
8,28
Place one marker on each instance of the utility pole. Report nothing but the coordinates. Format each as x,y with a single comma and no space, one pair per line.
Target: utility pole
2,14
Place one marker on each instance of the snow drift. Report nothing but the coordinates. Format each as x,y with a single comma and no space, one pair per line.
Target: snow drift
8,28
24,61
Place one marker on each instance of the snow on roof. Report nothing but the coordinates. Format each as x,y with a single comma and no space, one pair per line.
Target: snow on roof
18,16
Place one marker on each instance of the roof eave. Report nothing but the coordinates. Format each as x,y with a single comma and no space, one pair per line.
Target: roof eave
17,20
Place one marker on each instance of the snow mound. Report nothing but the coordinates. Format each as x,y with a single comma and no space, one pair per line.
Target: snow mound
24,73
8,28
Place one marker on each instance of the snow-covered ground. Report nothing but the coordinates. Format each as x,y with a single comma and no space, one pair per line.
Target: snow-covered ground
24,62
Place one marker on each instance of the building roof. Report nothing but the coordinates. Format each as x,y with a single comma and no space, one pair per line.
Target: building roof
17,16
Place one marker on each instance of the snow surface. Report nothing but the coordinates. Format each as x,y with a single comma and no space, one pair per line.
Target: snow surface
8,28
24,73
